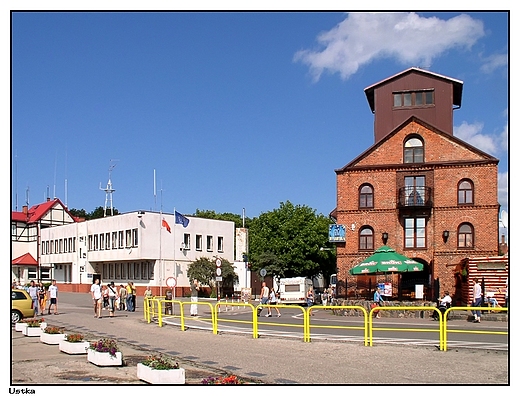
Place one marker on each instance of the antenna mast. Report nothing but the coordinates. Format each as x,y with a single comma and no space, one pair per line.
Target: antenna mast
108,190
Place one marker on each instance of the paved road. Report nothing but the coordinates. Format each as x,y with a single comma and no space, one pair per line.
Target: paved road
268,360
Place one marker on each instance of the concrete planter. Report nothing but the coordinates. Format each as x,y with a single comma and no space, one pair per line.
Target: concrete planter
104,358
20,326
52,339
74,348
32,331
152,376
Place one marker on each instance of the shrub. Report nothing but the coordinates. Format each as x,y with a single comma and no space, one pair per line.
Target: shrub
105,345
74,337
33,322
53,330
230,379
160,362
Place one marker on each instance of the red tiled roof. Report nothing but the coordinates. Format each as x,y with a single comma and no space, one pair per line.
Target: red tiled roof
26,259
36,212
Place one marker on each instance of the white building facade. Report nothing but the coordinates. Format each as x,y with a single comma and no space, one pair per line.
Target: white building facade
146,248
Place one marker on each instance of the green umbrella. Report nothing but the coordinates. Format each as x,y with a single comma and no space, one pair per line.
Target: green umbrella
385,259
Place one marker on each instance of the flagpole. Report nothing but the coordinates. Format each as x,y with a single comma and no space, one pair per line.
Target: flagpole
174,250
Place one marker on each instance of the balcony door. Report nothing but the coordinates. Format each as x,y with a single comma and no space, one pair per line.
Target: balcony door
415,190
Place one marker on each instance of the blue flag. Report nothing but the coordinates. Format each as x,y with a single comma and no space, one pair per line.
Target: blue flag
180,219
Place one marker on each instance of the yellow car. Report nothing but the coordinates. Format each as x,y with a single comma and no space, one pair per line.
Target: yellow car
21,305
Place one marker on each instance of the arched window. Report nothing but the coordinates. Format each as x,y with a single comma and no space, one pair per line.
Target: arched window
465,192
366,196
413,151
465,236
366,238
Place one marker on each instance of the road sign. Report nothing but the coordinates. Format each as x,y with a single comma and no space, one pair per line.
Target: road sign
171,281
219,279
218,262
219,271
263,272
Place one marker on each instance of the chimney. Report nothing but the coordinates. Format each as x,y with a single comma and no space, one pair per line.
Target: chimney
48,199
25,209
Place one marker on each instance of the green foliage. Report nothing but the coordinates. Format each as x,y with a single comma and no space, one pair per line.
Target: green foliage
203,269
160,362
287,241
211,214
97,213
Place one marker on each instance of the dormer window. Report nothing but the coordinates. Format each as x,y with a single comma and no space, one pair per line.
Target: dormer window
413,151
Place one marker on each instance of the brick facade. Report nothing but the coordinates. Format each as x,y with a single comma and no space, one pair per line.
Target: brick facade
447,161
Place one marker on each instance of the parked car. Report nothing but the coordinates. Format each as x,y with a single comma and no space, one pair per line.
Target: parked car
21,305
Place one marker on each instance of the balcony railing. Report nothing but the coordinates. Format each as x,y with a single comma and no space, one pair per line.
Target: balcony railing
415,196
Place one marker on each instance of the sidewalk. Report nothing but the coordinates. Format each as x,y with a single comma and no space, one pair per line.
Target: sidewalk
266,360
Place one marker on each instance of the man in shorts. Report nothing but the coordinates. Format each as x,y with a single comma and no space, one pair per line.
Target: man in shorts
53,297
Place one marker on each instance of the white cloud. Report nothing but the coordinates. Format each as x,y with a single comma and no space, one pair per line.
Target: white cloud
503,196
472,134
494,62
363,37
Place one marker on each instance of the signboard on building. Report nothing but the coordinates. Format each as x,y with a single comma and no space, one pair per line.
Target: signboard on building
337,233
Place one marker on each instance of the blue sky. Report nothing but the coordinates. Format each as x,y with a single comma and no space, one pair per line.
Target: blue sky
231,110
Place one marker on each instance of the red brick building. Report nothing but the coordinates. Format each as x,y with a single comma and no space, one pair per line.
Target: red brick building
418,189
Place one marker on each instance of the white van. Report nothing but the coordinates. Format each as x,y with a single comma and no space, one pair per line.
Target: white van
294,290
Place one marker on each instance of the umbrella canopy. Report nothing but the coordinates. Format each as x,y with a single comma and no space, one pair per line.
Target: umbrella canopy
385,259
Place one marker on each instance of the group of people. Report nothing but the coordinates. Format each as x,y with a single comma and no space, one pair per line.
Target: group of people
111,298
40,296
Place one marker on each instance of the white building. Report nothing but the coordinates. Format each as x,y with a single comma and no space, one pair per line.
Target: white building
146,248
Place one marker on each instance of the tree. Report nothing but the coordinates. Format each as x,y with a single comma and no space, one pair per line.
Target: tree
97,213
211,214
203,269
287,242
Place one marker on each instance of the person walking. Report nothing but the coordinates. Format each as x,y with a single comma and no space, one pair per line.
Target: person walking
194,287
97,298
112,297
129,299
122,298
134,296
477,301
378,300
53,297
42,297
148,296
310,299
264,298
272,302
104,293
33,292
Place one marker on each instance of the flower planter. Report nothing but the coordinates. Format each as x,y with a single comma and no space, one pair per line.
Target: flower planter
52,339
104,358
152,376
74,348
32,331
20,326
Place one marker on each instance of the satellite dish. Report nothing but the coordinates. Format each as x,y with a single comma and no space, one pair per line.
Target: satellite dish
503,219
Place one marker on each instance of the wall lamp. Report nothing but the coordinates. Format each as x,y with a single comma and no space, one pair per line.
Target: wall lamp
385,237
445,235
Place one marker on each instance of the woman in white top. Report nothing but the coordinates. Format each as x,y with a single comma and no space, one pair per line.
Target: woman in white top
272,301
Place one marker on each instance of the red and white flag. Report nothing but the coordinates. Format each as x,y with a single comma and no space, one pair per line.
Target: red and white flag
166,225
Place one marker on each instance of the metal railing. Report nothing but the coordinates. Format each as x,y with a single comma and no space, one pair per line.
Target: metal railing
155,306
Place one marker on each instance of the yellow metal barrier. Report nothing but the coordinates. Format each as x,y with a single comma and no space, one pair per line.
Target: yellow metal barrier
212,312
253,313
444,347
356,307
424,308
